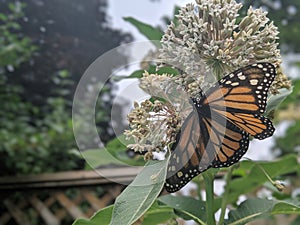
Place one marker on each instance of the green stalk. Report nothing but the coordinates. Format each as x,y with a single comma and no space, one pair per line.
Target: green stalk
209,189
277,184
228,177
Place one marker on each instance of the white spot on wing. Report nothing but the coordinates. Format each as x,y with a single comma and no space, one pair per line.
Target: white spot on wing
253,81
235,84
242,77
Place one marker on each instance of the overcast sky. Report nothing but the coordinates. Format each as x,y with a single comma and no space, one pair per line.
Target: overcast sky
146,11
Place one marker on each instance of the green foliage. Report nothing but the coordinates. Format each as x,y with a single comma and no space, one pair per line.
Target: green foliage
147,30
151,70
138,197
14,47
168,20
186,207
255,208
287,207
155,215
254,177
102,217
61,45
275,100
114,153
33,139
249,210
290,141
294,97
29,146
36,130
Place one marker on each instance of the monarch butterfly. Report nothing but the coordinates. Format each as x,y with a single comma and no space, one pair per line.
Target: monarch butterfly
216,133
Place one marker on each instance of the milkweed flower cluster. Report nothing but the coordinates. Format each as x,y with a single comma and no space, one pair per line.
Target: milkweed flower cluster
153,126
154,122
207,41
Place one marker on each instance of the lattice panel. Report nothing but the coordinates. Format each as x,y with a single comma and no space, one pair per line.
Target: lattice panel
55,207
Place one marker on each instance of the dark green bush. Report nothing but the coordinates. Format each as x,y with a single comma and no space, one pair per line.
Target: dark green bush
45,144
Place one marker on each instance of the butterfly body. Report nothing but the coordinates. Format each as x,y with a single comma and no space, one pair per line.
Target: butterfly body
216,133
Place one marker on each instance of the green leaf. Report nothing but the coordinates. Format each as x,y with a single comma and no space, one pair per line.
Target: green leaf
113,153
118,144
137,198
136,74
249,210
99,157
294,96
168,70
102,217
186,207
254,176
176,12
147,30
289,142
287,207
275,100
12,6
157,215
151,69
252,209
3,17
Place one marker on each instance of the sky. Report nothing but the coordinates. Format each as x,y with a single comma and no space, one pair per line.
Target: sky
147,11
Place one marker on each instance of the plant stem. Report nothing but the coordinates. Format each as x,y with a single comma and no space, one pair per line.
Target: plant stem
209,189
228,177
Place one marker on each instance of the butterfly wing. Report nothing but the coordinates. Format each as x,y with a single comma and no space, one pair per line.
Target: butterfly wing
201,145
184,160
241,98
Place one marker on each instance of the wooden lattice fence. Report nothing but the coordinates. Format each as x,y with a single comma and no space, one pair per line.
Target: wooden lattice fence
59,198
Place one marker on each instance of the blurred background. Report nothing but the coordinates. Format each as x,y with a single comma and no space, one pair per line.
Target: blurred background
45,47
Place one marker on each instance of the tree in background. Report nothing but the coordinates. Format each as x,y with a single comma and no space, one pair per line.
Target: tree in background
70,35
